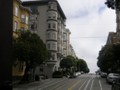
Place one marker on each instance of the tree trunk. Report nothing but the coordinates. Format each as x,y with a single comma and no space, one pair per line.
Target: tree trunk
26,74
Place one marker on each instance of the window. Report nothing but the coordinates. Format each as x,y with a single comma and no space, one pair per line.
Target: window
53,35
23,18
22,28
26,19
53,46
54,6
54,15
49,15
15,26
64,36
49,7
48,46
54,25
48,35
53,57
16,11
49,25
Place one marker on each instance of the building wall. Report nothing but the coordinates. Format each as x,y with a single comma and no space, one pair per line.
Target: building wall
19,10
18,67
118,24
50,28
42,23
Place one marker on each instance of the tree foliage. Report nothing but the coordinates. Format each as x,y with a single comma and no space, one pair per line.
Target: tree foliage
82,66
68,62
113,4
28,47
108,59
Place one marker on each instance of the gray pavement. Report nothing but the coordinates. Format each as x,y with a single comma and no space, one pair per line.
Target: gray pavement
83,82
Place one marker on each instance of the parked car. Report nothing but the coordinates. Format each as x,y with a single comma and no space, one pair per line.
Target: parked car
57,74
103,74
112,77
73,75
116,85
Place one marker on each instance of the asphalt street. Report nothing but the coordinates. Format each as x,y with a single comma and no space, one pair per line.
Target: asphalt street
83,82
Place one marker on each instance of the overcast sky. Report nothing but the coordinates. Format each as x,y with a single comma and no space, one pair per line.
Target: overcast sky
89,21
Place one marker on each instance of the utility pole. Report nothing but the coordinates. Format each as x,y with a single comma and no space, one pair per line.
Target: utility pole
6,16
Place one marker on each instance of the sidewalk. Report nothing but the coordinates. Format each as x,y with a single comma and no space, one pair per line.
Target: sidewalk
29,86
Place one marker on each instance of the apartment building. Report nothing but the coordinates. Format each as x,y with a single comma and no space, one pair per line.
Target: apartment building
49,22
118,23
20,22
66,42
71,51
20,16
112,38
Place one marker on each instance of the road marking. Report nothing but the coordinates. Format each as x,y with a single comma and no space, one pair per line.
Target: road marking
73,85
87,84
100,85
91,84
44,87
82,84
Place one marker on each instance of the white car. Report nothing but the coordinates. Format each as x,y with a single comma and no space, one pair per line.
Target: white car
112,77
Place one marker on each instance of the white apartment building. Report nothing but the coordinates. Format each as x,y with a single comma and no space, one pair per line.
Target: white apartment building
71,51
66,42
48,21
118,23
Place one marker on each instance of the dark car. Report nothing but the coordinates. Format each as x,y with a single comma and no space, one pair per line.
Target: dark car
116,85
103,74
112,77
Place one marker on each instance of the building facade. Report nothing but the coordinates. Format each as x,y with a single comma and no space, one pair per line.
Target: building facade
112,38
20,22
71,51
118,24
49,22
20,16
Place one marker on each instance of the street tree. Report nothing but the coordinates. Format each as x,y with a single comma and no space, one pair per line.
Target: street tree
29,48
108,59
82,66
68,63
113,4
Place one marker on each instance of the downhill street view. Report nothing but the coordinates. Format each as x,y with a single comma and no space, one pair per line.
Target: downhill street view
60,45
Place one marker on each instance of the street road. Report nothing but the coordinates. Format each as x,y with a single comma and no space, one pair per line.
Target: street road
83,82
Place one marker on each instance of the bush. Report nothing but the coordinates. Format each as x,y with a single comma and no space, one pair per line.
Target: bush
57,74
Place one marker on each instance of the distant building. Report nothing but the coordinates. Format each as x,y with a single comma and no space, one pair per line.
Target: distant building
118,24
72,52
66,42
49,22
112,38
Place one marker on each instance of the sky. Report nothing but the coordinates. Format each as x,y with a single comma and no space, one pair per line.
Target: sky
89,21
